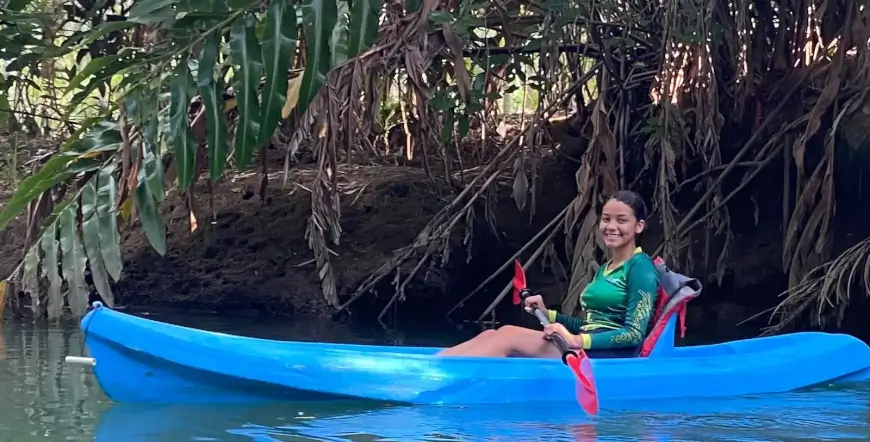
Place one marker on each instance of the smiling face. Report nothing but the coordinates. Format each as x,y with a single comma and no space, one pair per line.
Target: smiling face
619,226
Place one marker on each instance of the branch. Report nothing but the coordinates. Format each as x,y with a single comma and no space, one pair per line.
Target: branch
558,218
734,162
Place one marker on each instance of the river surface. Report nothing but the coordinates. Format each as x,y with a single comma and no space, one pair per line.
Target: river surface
46,400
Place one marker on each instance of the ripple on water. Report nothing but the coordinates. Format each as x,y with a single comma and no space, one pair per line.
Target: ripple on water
799,416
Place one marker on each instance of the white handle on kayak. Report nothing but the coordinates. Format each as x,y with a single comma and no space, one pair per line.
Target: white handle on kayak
80,360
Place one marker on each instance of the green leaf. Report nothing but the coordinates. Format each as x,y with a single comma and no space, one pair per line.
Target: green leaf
128,68
438,17
278,47
464,125
98,67
91,236
151,11
318,21
442,101
363,26
101,30
152,223
212,93
110,239
152,166
449,124
102,137
5,112
165,17
182,141
48,243
151,163
247,68
18,5
74,261
339,37
52,173
30,275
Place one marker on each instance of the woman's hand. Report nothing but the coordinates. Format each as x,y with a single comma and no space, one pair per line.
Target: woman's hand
573,341
535,302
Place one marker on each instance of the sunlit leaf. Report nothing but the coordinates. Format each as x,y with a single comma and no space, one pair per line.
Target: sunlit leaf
293,86
4,290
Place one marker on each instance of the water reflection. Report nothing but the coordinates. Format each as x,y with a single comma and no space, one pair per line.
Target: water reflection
43,397
818,415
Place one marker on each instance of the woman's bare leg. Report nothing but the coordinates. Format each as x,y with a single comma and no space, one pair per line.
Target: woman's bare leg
506,341
460,349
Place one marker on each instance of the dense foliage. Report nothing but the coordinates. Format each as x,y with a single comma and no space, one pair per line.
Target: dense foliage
156,93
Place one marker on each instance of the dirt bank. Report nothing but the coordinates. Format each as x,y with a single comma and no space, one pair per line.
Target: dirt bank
254,255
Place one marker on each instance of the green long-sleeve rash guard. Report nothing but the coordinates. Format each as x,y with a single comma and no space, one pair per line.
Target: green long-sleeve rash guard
618,305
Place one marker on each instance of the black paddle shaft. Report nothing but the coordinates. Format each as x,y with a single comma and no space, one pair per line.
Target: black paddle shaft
557,339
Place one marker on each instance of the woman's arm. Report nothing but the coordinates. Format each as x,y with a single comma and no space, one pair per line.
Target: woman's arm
571,323
642,286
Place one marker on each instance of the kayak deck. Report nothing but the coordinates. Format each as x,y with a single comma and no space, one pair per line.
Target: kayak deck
140,360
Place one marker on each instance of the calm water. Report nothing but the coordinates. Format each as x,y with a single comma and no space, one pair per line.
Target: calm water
42,399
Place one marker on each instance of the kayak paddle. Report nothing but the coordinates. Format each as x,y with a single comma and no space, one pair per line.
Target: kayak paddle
587,394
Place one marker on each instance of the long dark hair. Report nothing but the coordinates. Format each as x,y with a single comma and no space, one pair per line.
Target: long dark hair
633,200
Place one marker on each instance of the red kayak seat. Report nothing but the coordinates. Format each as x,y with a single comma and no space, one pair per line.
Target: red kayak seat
675,291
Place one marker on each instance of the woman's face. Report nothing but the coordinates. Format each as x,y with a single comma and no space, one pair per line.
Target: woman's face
619,226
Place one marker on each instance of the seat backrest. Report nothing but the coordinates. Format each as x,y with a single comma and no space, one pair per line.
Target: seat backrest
675,291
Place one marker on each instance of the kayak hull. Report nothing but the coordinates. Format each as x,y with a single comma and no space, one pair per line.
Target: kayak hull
140,360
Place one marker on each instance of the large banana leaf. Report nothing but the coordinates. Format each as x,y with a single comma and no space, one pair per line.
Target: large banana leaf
319,18
279,43
211,89
248,67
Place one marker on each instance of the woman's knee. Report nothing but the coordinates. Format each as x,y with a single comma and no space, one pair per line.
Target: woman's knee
511,330
488,333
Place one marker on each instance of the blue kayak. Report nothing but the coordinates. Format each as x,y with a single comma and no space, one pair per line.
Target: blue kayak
140,360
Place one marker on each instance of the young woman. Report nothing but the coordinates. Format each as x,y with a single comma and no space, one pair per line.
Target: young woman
617,305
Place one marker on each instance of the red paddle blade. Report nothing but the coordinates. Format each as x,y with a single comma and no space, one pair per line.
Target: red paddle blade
519,281
587,394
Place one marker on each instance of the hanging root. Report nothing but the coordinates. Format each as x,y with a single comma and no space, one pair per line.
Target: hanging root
654,117
434,238
549,228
